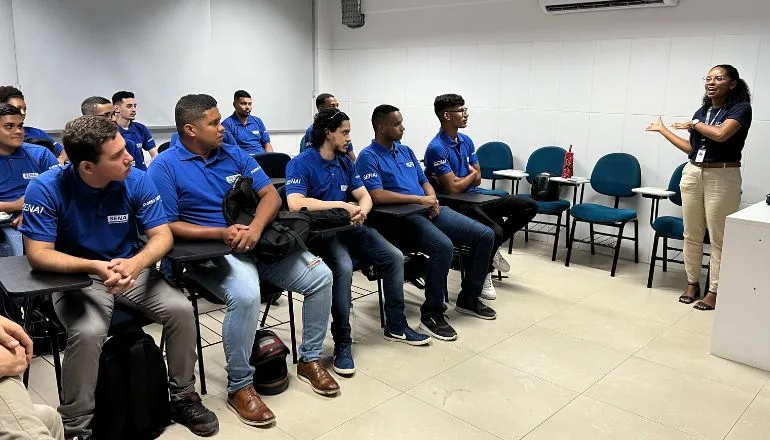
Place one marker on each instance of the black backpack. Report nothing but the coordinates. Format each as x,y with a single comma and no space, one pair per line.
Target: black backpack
132,399
289,232
543,189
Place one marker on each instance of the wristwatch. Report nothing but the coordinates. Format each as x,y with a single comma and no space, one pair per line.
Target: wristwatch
693,122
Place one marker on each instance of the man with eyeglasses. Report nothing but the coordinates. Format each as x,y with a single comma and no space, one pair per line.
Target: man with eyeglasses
102,107
125,109
453,166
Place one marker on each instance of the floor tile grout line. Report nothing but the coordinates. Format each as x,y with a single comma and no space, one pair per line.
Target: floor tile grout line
742,414
400,393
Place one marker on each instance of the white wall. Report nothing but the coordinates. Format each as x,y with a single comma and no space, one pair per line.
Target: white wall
593,80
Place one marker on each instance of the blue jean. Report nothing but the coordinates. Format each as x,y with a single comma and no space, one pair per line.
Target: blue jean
10,242
436,238
235,279
365,247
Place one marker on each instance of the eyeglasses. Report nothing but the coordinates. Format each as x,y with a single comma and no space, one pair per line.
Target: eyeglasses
462,110
718,78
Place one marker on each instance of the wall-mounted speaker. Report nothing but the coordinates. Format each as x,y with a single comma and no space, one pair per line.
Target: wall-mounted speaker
351,14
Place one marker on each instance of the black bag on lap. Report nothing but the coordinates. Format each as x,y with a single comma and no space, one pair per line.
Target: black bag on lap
132,399
289,232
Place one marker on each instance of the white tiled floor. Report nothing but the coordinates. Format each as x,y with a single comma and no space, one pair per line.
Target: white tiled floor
574,354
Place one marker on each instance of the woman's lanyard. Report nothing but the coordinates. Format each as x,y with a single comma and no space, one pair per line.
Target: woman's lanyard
709,121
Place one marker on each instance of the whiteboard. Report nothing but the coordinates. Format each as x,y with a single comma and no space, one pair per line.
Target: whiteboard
67,50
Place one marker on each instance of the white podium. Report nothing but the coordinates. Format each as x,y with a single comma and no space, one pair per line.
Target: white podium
742,319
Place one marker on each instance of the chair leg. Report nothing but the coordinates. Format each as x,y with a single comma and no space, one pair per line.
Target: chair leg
493,183
526,233
510,244
566,225
593,247
556,238
665,254
653,259
379,297
53,337
162,339
617,250
291,328
264,314
201,367
27,326
570,242
636,241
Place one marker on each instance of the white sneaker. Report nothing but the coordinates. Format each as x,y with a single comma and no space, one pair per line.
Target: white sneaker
488,291
500,263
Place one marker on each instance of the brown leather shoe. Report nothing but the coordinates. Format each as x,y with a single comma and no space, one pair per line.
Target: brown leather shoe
247,405
318,378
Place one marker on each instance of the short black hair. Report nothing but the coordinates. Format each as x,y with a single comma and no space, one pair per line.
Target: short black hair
88,106
9,110
83,138
381,112
191,108
240,94
320,100
327,119
8,92
118,97
445,102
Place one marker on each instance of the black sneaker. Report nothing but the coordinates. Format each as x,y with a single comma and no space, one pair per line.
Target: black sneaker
475,307
190,412
436,326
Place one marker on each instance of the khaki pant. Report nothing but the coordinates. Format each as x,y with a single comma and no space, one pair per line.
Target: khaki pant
709,195
21,419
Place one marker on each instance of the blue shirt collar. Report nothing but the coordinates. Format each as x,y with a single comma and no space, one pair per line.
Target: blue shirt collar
316,154
82,188
382,150
448,141
184,154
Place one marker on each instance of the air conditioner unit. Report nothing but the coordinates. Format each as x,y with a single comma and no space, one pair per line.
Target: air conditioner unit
569,6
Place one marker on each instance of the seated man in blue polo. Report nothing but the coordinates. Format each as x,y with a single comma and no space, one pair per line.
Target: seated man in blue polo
321,178
249,131
13,96
20,164
126,107
102,107
392,174
193,176
322,102
84,218
452,165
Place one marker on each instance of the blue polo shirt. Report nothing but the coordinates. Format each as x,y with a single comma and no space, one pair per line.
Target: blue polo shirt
395,169
193,188
32,132
90,223
139,134
137,154
21,167
309,142
313,176
444,155
251,136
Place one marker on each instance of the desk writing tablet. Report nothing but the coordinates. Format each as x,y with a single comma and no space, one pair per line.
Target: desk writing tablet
197,250
400,210
17,278
471,198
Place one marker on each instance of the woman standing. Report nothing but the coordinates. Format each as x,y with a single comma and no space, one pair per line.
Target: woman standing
711,182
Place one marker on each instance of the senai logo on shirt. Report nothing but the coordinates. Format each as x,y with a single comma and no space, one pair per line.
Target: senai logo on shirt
231,179
293,181
410,164
114,219
29,176
370,176
438,163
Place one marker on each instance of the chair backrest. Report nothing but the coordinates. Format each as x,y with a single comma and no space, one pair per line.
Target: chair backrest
43,142
548,159
163,147
616,174
673,185
273,164
494,156
302,144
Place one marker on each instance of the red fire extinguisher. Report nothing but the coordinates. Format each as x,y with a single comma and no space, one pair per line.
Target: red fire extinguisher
568,161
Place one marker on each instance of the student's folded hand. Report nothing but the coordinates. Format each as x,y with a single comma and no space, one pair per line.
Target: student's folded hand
429,200
111,279
12,335
245,240
434,211
229,233
12,362
16,223
126,267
